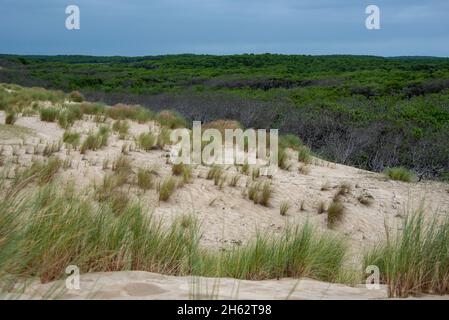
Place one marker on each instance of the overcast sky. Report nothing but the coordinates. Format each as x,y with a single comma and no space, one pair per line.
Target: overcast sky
150,27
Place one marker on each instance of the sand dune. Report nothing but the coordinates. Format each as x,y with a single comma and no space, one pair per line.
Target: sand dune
227,217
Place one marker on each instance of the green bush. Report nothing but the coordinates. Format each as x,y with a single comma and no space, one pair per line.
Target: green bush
400,174
76,96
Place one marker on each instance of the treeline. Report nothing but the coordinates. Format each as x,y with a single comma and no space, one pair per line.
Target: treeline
371,112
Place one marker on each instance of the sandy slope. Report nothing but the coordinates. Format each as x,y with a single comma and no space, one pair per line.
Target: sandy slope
145,285
227,217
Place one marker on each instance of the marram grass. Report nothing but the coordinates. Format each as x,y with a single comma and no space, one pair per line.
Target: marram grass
44,229
416,259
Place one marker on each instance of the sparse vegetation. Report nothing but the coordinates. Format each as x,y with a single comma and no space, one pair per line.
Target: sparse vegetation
321,207
284,208
365,199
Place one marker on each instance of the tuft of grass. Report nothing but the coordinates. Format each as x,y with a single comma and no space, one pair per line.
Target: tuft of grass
304,169
96,141
71,138
122,164
326,186
145,179
343,190
245,169
255,173
121,127
365,199
415,260
321,207
68,116
166,188
302,205
335,213
304,155
11,118
182,170
266,193
163,138
49,114
215,173
52,148
400,174
284,208
283,159
234,180
178,169
90,143
260,193
146,141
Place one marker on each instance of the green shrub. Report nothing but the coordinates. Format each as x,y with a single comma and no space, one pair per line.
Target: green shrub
400,174
92,108
290,141
171,119
76,96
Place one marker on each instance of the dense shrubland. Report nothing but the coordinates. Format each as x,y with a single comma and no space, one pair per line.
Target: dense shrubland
370,112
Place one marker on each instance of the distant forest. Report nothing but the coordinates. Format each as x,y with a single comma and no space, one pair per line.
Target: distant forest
365,111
